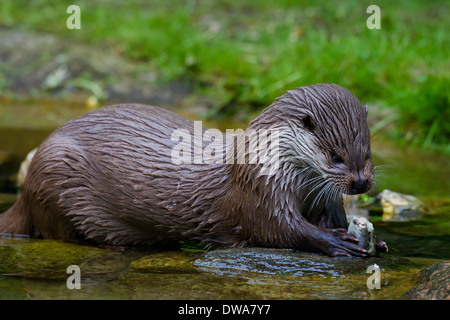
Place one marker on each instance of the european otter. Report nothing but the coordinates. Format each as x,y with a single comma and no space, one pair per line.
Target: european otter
109,176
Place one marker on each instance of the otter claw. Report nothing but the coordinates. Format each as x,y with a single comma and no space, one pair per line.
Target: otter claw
339,253
337,242
380,245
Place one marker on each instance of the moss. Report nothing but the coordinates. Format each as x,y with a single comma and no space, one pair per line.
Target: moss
8,259
165,262
47,259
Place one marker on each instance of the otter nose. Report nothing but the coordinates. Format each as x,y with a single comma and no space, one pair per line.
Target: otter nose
360,185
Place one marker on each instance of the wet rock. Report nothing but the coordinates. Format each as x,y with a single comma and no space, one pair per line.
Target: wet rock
400,207
165,262
250,273
264,273
49,259
287,262
432,283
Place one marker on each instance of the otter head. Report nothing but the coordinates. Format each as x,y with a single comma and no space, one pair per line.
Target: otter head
334,124
327,132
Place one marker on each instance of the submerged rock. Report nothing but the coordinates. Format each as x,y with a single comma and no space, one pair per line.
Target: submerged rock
400,207
432,283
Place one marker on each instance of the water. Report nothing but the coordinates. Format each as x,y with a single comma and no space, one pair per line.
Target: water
36,269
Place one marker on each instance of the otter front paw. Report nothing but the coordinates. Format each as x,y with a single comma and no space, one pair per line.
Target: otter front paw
380,245
337,242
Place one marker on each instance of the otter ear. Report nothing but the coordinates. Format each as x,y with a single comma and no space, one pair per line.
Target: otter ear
308,122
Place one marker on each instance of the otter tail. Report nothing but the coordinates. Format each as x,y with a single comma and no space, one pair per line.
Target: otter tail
14,220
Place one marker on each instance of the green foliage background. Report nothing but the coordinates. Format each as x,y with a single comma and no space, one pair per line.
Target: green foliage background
243,54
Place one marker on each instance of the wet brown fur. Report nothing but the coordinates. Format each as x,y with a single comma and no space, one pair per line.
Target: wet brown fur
107,176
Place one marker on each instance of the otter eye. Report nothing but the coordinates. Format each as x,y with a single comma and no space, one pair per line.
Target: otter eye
336,159
308,123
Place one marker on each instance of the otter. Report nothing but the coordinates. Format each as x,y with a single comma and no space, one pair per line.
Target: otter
109,177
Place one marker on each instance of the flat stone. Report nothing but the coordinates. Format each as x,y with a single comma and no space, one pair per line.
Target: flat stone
289,262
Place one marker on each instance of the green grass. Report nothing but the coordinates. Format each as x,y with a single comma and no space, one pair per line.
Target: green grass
242,54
